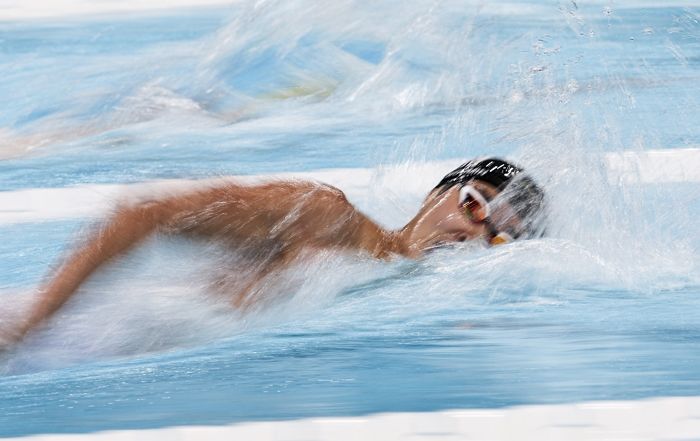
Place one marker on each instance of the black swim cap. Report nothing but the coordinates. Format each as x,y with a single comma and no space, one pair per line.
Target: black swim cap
514,186
494,171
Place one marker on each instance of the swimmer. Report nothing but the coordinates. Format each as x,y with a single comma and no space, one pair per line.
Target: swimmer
279,222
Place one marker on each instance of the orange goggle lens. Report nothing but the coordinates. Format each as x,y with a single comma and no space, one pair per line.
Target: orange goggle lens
473,210
500,239
473,203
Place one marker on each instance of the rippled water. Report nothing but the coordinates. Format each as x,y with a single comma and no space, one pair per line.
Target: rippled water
605,307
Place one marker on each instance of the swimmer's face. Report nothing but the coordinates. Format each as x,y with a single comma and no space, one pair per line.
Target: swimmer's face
442,221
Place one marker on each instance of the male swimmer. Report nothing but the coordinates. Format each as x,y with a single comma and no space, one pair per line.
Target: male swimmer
276,222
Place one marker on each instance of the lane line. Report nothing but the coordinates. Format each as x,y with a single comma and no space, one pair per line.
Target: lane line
86,201
26,10
668,418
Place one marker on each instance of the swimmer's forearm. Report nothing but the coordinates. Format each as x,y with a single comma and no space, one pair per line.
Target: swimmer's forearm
123,231
57,291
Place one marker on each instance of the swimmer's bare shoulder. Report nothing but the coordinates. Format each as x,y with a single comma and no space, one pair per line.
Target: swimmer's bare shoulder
281,218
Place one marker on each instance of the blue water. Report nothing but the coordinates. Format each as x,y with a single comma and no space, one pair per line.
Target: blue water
606,307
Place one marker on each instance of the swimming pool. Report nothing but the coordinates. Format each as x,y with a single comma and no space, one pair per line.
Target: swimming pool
378,98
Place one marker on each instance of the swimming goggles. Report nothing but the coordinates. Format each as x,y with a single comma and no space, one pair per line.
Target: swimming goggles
497,218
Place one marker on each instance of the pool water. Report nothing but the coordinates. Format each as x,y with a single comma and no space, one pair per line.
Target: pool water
607,306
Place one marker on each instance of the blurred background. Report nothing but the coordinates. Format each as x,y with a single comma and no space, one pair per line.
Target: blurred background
597,99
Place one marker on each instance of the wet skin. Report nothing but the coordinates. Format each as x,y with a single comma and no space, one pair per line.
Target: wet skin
441,220
276,222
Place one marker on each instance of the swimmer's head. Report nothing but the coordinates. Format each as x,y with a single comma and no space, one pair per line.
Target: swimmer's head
514,189
484,198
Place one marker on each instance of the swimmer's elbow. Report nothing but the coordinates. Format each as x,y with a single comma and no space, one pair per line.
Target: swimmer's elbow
150,214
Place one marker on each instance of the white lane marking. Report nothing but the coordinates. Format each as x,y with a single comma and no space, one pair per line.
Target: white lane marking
87,201
42,9
668,418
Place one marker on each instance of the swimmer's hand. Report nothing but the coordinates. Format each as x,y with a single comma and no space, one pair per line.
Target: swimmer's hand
13,329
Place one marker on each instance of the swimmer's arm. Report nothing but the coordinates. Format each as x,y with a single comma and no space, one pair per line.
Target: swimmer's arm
295,215
125,229
196,212
130,224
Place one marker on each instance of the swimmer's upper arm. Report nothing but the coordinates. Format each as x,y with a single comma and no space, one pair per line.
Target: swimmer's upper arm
325,218
289,212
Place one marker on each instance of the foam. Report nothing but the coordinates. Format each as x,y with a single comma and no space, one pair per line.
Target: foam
671,418
85,201
655,166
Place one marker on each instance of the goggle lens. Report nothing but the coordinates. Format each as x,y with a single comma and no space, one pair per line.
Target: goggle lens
473,204
473,210
478,210
500,239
